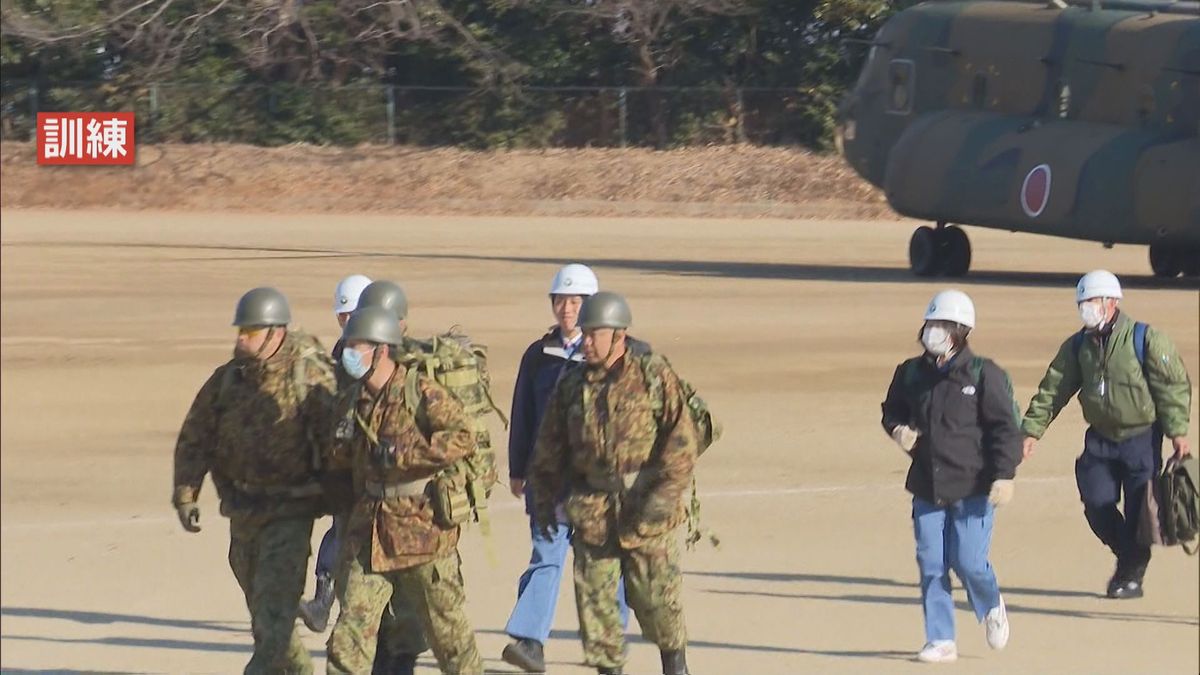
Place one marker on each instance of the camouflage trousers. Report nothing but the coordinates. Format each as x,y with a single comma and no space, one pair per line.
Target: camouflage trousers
432,591
270,561
400,632
653,588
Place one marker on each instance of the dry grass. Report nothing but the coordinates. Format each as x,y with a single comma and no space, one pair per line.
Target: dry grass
715,181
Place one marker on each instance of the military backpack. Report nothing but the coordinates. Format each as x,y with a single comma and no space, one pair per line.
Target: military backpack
460,365
708,431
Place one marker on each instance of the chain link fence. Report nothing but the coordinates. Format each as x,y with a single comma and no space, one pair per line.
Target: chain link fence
529,117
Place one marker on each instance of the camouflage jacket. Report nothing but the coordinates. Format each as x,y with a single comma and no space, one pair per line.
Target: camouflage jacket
253,426
1120,397
401,530
621,446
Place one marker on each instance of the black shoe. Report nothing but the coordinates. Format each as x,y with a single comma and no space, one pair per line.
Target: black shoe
615,670
674,663
525,654
1125,590
315,612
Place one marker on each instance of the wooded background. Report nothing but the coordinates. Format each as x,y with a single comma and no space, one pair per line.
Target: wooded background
470,73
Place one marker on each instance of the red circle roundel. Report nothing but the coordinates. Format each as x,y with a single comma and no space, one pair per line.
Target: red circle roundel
1035,191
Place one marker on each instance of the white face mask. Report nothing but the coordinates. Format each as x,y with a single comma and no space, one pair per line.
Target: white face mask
937,340
1092,314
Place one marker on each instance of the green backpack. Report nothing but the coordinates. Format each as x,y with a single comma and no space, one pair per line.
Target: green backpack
708,430
460,366
1179,504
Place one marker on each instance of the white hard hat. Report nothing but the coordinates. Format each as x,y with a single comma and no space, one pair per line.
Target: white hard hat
575,279
952,305
1097,284
345,298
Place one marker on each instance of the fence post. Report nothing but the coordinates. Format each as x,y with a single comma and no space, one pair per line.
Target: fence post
33,110
622,115
154,106
741,117
391,114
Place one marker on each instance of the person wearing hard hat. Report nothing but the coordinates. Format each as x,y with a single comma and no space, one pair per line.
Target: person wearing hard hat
544,363
315,612
954,416
396,545
617,448
400,636
251,428
1134,389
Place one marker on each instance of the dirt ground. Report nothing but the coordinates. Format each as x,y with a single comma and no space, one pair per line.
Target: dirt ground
111,321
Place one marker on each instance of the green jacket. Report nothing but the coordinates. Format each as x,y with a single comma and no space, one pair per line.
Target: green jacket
1118,401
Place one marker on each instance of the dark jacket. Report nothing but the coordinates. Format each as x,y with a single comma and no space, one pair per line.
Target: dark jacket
968,424
541,367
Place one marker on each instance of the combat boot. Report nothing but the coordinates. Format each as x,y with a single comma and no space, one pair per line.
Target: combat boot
674,663
525,654
315,612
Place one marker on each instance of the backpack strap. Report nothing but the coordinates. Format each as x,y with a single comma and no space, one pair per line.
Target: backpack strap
1139,342
976,369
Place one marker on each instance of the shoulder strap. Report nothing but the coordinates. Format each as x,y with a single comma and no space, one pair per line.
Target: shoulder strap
976,370
1139,342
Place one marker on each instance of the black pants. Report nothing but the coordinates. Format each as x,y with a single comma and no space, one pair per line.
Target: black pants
1105,470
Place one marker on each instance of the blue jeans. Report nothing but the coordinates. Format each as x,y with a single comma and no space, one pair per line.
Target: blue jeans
955,537
328,552
537,592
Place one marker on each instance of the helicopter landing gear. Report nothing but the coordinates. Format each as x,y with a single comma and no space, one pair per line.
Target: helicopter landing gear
942,251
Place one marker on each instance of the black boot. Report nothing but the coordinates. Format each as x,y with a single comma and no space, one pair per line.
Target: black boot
674,663
525,654
614,670
315,612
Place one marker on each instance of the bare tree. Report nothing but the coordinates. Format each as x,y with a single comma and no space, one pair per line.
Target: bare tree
651,29
294,40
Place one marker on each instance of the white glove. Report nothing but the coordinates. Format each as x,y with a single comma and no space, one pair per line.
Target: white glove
1001,493
905,437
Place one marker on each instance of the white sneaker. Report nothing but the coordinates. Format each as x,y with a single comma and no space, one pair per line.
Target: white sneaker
939,651
996,625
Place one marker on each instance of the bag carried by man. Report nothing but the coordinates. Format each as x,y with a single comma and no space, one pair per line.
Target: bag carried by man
1171,511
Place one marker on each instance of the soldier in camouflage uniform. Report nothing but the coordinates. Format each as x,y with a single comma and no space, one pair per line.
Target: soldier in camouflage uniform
251,427
618,441
400,639
392,543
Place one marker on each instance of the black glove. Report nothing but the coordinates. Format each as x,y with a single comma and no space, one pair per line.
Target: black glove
189,516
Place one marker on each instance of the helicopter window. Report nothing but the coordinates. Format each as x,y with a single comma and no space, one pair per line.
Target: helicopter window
901,74
979,91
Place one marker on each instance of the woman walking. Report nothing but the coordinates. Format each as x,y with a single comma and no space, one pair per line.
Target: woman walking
954,415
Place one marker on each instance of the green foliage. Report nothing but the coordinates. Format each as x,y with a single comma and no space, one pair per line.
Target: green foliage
326,78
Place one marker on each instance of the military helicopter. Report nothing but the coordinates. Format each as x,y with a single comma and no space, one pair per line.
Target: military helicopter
1070,118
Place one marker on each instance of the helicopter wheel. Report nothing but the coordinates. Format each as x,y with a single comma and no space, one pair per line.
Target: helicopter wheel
1166,260
924,252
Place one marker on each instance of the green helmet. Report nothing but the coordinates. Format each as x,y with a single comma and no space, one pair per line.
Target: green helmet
605,310
373,324
385,294
262,307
